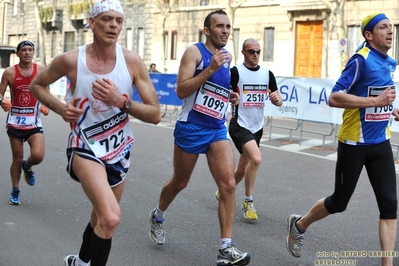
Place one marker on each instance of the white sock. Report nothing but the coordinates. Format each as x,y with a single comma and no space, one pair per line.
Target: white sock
79,262
224,242
250,198
159,215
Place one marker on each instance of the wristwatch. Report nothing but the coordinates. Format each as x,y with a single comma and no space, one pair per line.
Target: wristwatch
127,104
1,100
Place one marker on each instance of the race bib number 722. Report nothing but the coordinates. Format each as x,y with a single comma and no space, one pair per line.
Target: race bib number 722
108,138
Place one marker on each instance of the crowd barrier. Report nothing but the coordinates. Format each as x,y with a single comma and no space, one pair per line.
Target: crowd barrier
165,86
305,100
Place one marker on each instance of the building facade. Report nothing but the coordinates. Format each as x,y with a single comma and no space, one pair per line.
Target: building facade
304,38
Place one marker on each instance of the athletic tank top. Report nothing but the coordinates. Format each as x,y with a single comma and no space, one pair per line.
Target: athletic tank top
364,126
207,106
104,130
252,87
25,111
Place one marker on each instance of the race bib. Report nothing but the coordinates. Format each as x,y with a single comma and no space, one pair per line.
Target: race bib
22,117
378,114
212,100
253,95
109,138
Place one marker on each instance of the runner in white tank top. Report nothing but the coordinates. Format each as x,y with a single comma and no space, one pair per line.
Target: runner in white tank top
256,86
98,105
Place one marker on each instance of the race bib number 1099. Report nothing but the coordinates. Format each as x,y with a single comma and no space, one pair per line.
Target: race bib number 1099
212,100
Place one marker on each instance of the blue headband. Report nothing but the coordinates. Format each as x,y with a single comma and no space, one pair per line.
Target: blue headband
23,43
368,24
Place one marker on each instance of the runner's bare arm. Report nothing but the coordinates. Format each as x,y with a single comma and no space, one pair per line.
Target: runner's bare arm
62,65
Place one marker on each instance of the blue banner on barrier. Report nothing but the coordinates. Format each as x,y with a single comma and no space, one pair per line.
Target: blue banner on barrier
165,85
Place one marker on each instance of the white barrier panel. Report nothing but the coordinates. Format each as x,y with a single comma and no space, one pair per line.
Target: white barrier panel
307,99
304,99
59,87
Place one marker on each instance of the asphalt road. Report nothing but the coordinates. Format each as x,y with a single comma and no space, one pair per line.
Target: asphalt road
49,223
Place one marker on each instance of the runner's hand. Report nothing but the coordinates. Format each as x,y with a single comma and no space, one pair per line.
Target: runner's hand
44,110
71,112
6,105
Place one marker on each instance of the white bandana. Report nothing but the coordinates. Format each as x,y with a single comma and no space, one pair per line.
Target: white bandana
104,6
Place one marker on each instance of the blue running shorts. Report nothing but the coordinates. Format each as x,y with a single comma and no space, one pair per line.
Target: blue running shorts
196,139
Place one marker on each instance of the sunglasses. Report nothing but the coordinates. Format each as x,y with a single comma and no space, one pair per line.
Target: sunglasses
253,51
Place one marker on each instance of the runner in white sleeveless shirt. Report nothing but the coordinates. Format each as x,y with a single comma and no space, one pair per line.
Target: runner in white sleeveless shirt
257,87
98,105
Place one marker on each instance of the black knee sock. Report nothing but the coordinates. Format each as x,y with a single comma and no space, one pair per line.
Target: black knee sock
99,250
84,253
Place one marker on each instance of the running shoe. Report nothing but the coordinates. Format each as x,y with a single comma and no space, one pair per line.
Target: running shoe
232,256
14,198
217,195
70,260
28,174
249,210
294,238
157,233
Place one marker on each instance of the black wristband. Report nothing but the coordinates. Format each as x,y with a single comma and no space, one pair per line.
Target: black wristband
1,100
